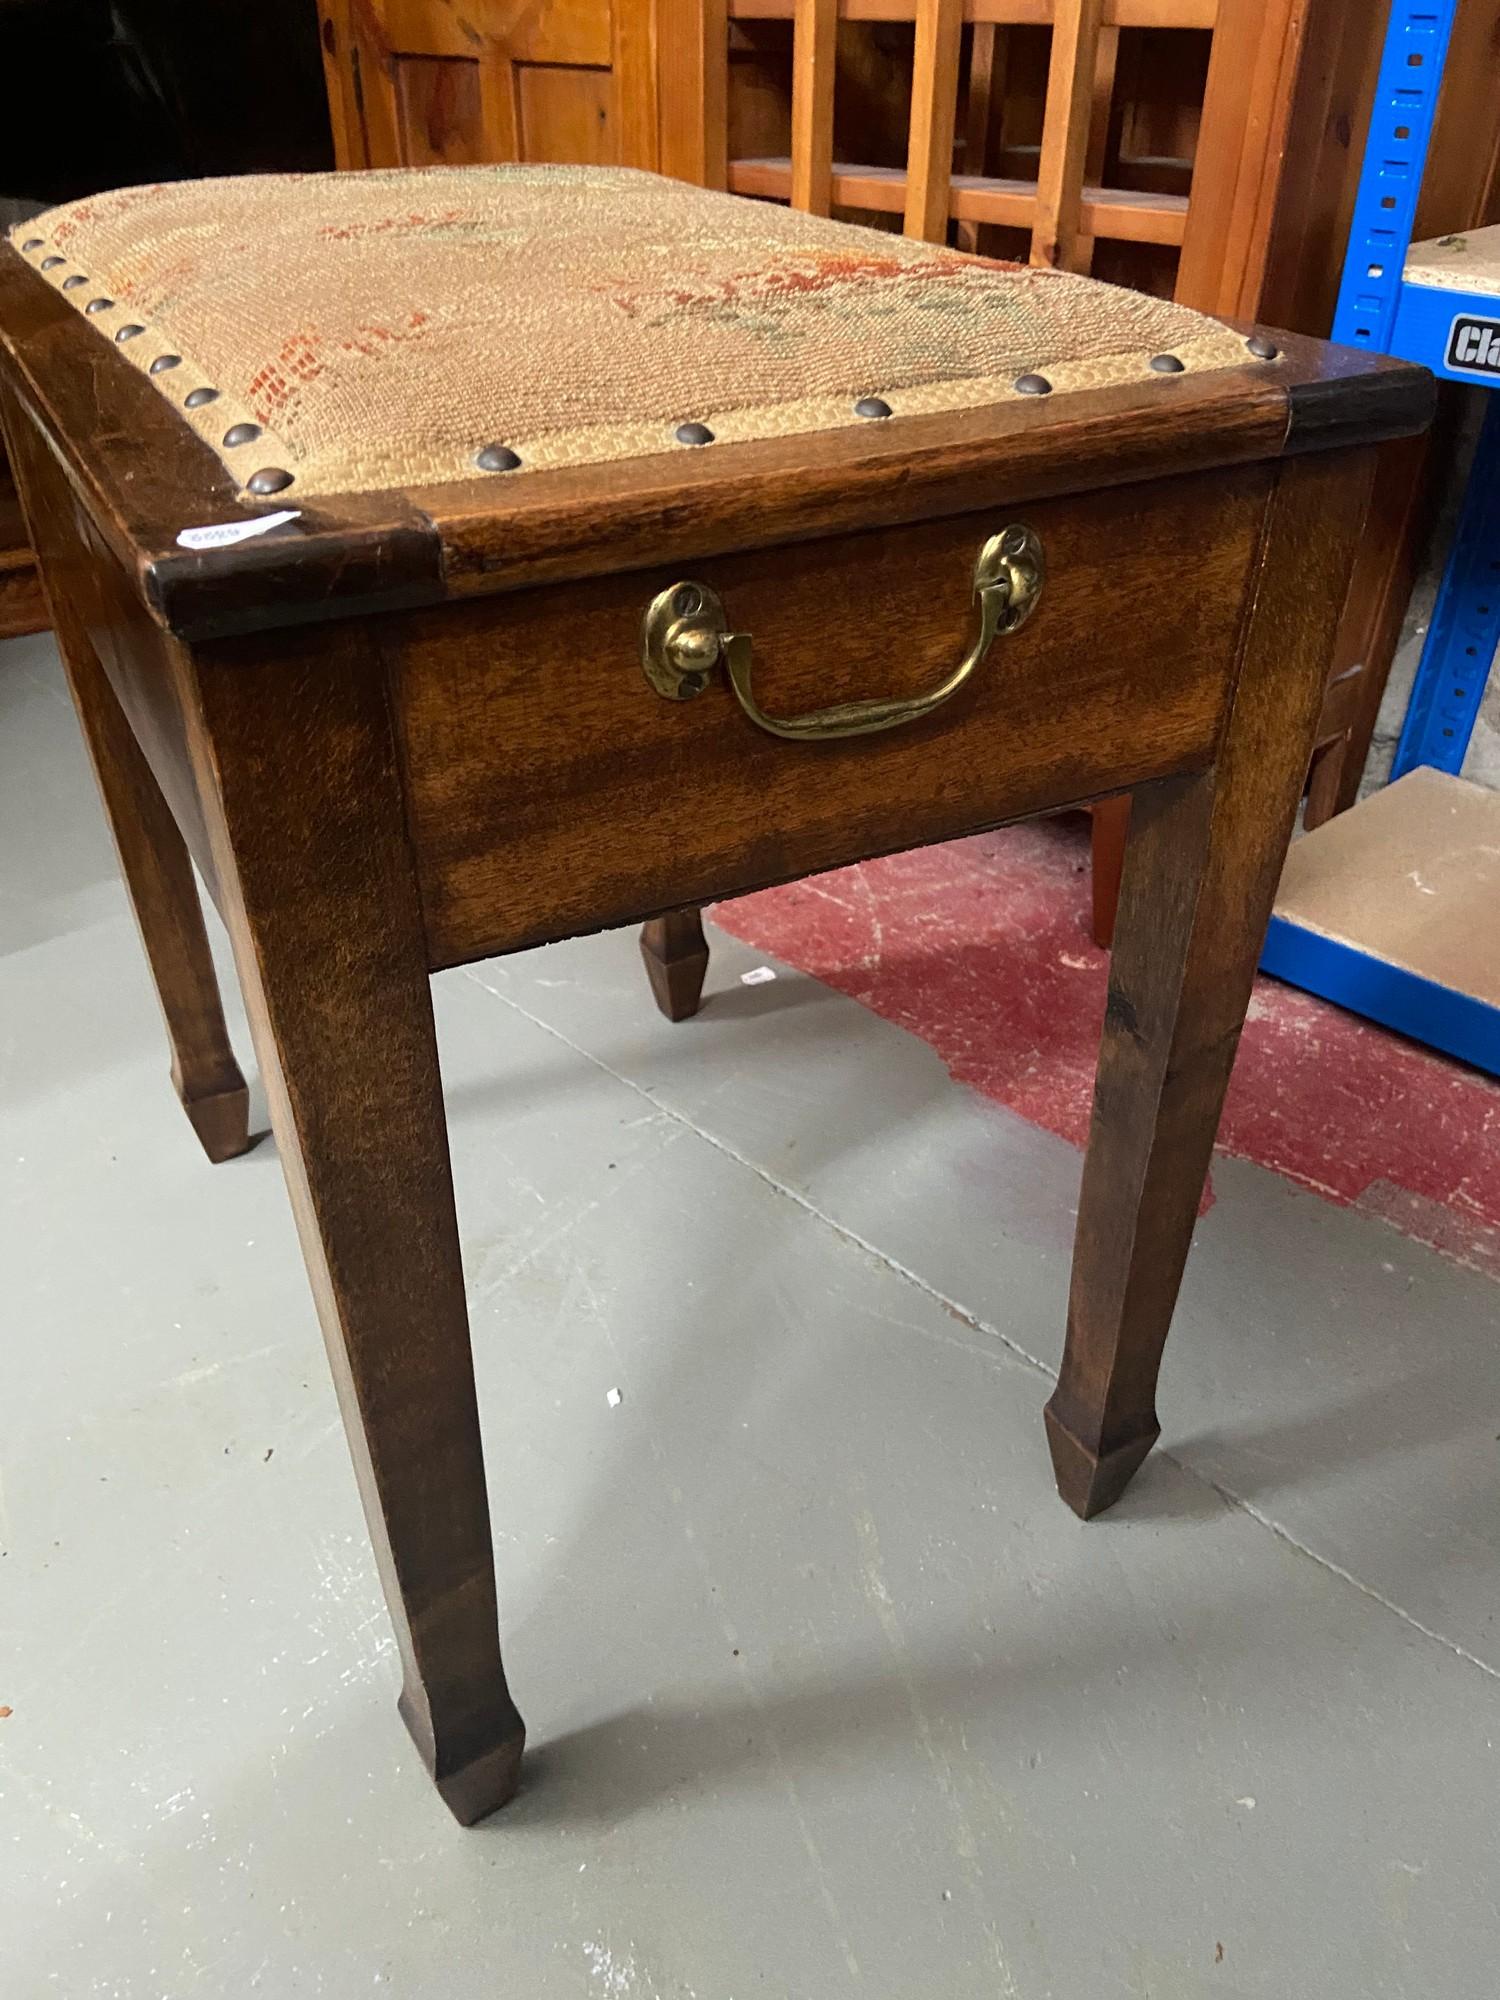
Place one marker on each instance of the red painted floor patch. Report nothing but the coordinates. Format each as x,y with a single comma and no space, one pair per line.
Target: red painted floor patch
982,948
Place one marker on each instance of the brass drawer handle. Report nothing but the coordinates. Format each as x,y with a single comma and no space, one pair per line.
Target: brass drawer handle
686,633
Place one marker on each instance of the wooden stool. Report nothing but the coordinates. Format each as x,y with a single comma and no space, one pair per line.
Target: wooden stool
713,547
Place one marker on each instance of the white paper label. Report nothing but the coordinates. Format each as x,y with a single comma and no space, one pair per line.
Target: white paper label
233,531
759,976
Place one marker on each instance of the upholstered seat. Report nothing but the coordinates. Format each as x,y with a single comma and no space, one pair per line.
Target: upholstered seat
348,332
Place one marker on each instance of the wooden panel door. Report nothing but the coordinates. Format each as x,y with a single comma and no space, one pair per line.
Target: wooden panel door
454,82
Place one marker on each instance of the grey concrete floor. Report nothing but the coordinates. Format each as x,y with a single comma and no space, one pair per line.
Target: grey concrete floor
829,1694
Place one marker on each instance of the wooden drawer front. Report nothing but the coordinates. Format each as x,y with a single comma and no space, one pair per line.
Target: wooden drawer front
550,785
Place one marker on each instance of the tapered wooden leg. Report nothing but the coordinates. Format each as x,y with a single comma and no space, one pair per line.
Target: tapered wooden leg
304,795
153,859
675,952
164,895
1110,829
1201,869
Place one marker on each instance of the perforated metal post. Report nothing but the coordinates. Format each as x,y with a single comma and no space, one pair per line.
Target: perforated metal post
1465,629
1385,209
1454,333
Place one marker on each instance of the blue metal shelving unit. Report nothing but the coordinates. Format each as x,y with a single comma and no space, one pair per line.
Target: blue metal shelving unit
1456,334
1385,208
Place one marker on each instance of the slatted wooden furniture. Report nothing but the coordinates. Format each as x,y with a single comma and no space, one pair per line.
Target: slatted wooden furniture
715,547
1077,192
1084,125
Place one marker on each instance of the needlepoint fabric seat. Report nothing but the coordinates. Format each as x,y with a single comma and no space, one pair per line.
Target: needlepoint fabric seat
364,331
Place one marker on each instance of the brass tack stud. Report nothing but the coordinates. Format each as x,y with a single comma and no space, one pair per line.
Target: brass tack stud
72,284
693,434
51,263
497,458
270,479
196,398
163,362
1166,364
1033,385
32,243
128,332
872,406
241,434
99,305
1261,348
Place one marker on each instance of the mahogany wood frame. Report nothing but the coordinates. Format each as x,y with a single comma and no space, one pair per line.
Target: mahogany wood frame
277,711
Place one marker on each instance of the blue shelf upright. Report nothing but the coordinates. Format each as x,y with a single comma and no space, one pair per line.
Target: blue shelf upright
1439,306
1387,307
1465,628
1385,207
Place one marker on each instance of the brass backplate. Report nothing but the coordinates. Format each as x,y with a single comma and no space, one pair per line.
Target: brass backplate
680,640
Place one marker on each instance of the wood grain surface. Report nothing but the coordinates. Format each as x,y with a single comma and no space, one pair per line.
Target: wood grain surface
299,769
1201,868
551,789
